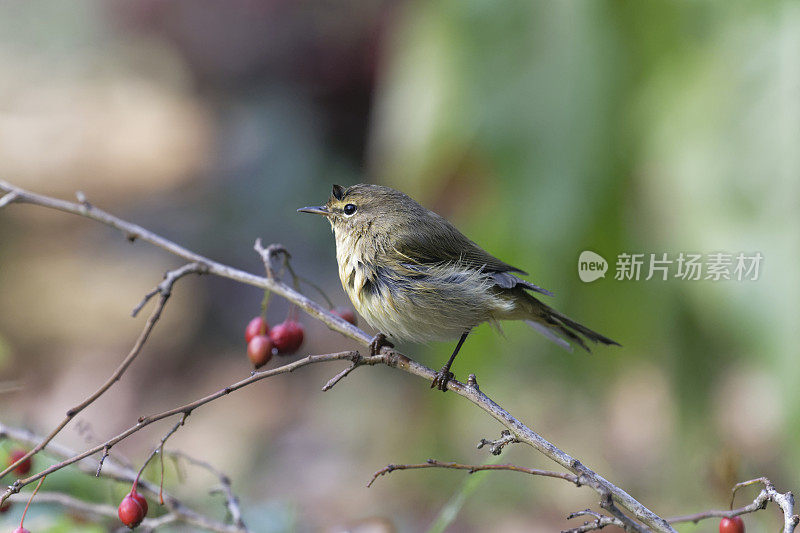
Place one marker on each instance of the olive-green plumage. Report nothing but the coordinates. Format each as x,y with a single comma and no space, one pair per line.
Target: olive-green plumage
413,275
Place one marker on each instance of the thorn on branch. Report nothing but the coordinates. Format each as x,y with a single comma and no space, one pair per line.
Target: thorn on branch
496,446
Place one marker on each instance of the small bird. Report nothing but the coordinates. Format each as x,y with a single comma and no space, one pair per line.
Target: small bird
412,275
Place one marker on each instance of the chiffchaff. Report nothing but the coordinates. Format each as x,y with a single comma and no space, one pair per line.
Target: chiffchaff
412,275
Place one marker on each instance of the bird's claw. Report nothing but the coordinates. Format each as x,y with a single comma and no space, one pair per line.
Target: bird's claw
440,380
378,342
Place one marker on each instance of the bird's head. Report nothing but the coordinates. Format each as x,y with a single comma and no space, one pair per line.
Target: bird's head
364,208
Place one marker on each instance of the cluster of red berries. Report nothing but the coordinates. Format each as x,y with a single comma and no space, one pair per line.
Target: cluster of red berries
132,509
262,342
731,525
283,339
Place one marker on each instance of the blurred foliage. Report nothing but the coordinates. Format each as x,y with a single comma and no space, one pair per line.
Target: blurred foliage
541,129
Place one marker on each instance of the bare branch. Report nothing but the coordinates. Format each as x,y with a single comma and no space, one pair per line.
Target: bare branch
94,509
356,362
433,463
165,287
8,198
768,494
188,408
628,524
118,472
165,290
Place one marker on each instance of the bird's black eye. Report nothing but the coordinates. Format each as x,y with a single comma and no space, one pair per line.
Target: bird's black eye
349,209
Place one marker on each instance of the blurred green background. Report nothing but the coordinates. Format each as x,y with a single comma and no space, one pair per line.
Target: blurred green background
541,129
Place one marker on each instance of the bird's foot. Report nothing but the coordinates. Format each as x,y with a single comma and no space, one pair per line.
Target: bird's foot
378,342
442,377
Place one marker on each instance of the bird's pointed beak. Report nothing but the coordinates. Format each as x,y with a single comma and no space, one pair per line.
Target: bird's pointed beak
318,210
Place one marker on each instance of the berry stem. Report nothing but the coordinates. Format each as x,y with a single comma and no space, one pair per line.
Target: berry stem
264,305
295,277
292,314
22,520
159,449
318,289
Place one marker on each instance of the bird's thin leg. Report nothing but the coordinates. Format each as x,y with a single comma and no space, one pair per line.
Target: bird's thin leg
378,342
444,375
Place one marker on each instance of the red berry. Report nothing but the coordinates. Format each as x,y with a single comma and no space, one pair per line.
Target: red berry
132,509
21,529
257,326
24,467
287,336
259,350
141,500
346,314
731,525
5,507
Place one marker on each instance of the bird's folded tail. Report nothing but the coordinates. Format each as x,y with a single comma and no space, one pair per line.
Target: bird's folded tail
560,329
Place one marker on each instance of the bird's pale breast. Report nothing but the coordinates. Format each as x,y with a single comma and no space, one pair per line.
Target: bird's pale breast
417,302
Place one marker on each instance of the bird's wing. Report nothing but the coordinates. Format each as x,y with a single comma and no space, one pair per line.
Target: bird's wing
507,280
434,240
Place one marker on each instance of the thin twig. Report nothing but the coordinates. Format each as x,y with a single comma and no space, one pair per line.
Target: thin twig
232,502
95,509
599,522
496,446
160,450
338,377
122,473
8,198
106,452
165,287
433,463
165,290
628,524
147,420
768,494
